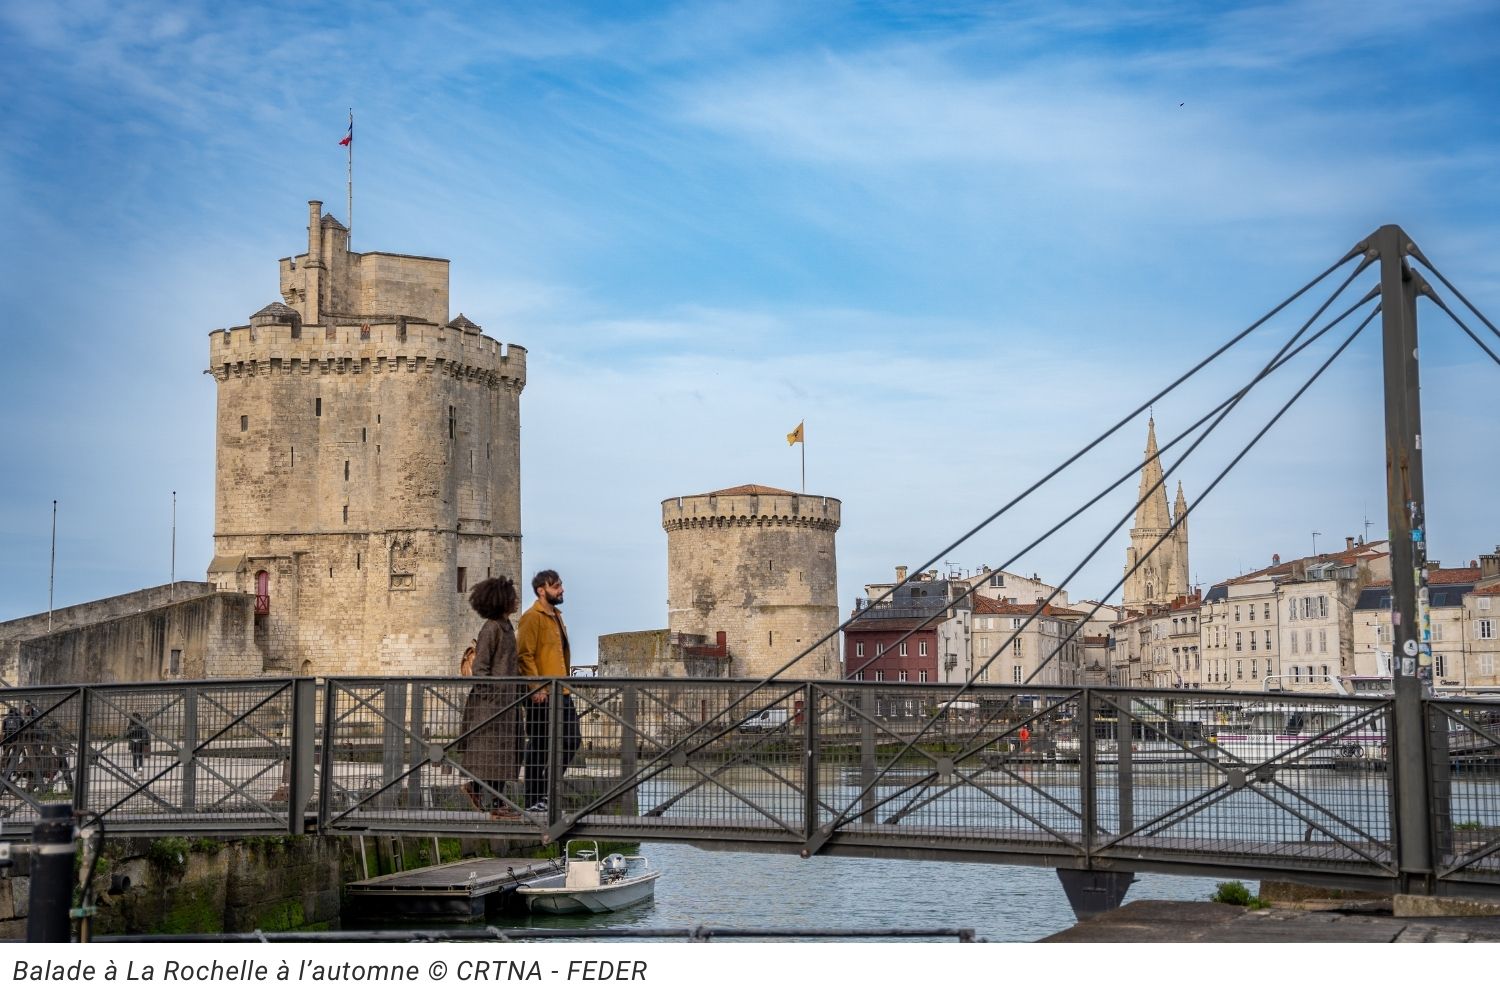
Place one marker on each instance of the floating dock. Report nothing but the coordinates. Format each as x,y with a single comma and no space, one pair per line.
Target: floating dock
458,891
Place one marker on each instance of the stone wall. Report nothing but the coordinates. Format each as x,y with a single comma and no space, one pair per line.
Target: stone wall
176,886
211,636
762,569
13,632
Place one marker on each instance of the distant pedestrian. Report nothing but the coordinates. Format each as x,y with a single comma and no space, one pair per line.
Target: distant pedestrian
491,744
1025,735
139,740
10,744
542,652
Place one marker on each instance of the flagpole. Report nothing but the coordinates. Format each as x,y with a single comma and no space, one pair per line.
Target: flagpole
351,174
52,572
803,442
172,580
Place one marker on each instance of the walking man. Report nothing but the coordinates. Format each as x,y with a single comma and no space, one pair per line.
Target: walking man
542,652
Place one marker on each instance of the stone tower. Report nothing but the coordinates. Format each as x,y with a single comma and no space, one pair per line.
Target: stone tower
367,458
1164,573
758,564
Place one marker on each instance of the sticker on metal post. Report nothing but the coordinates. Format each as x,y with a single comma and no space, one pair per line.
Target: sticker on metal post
1409,647
1408,666
1416,534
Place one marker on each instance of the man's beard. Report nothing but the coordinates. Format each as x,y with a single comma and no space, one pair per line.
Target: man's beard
554,601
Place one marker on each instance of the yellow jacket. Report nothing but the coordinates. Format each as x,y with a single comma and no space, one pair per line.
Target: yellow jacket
542,642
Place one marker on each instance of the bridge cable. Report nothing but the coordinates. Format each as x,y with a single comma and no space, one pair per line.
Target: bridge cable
1265,429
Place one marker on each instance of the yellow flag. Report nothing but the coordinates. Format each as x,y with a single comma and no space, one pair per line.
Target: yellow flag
796,435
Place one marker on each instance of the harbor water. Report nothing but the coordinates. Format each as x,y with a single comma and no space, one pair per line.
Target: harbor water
785,892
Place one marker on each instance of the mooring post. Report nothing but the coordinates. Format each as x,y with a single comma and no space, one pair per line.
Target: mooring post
52,852
1411,649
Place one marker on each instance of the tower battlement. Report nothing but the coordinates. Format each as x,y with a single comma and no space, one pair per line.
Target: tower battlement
394,344
716,510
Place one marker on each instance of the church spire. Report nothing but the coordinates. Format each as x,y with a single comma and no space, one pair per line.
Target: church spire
1152,515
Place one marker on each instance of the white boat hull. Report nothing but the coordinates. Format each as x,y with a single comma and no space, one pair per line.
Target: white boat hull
552,896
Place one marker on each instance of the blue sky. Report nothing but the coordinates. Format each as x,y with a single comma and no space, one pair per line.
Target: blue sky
958,239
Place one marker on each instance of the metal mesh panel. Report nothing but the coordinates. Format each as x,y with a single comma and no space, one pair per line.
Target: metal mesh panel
667,754
39,752
914,762
1300,780
1466,783
190,755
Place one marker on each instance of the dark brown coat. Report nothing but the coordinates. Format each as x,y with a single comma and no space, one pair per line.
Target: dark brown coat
491,752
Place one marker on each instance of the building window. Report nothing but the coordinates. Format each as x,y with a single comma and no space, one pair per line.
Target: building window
1252,642
922,647
318,407
1015,624
1291,609
346,513
1239,669
1440,665
364,435
1268,640
1016,674
244,422
463,579
1268,610
356,560
1238,642
1236,612
1322,640
1483,603
294,456
1296,674
1437,632
984,645
346,470
1018,645
1294,644
1485,628
1486,664
452,420
902,650
880,675
880,649
922,676
901,676
859,649
1252,612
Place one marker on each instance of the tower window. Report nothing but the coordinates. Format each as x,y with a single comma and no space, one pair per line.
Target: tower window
452,420
463,579
364,435
346,470
330,572
346,513
769,639
356,560
318,407
294,456
244,422
226,337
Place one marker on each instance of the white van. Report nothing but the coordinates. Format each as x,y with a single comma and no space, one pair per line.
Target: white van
771,718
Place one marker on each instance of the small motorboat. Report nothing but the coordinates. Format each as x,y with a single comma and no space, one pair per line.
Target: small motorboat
591,884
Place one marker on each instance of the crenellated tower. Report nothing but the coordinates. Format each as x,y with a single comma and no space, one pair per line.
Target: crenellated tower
758,564
1163,574
367,462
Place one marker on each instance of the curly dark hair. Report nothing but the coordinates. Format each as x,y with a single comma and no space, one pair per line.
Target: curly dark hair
494,598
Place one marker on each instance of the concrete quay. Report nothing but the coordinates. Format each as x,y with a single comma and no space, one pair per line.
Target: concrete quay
1403,920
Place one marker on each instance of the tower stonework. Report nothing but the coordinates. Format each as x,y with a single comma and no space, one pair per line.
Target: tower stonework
367,462
758,564
1163,575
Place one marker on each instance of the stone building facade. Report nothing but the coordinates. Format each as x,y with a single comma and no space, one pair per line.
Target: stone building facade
759,565
367,462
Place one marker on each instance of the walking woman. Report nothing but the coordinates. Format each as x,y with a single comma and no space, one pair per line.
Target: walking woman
491,752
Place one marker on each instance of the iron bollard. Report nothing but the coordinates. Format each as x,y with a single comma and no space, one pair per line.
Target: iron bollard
52,852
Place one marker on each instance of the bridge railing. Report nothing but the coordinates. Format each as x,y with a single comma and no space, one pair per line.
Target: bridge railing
1070,777
182,756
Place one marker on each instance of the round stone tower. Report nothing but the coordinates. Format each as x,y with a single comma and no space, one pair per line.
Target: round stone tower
757,564
367,462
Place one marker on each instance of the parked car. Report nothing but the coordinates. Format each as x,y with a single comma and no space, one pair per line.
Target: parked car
766,721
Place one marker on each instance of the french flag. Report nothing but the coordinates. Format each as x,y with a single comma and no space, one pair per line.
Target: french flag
349,138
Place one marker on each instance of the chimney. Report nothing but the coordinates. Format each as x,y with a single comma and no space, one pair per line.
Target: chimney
900,574
1489,565
1275,558
313,273
1349,542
